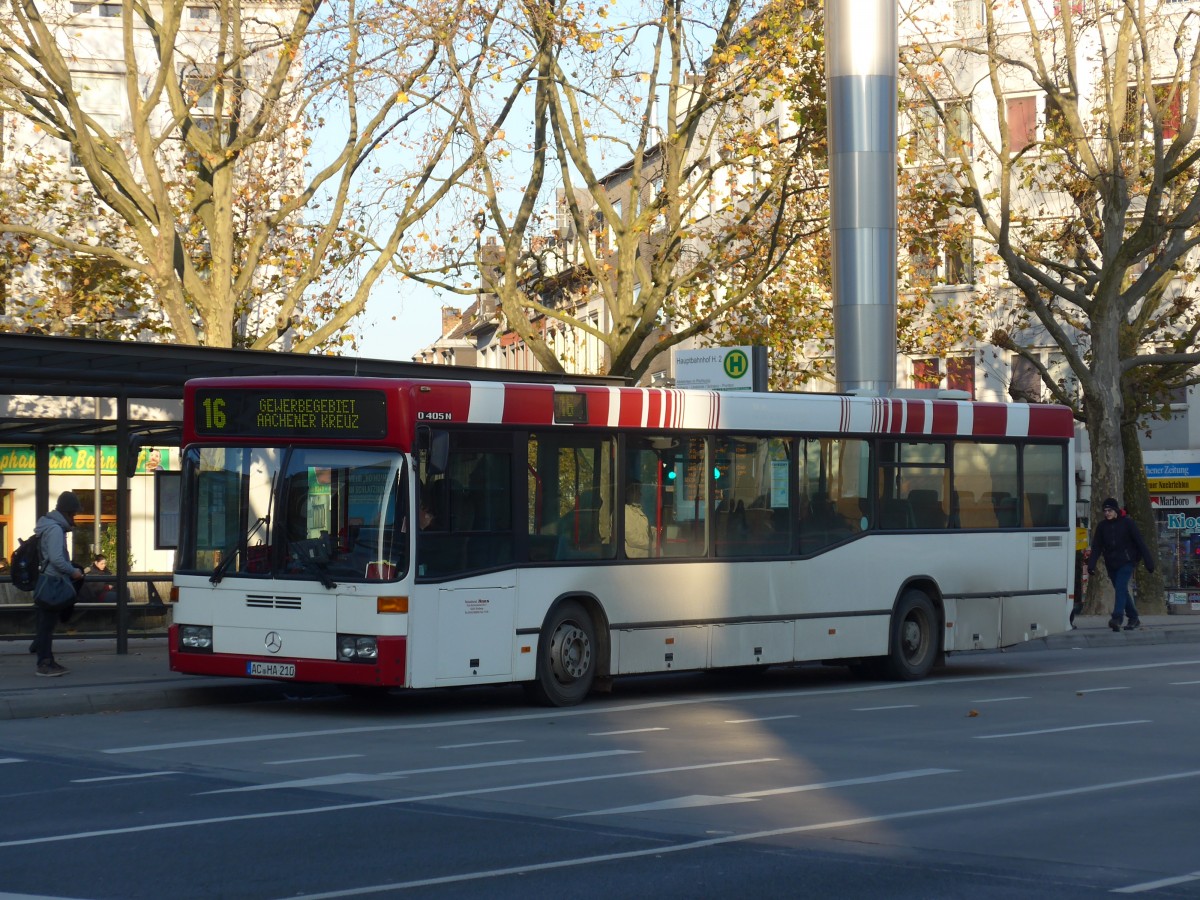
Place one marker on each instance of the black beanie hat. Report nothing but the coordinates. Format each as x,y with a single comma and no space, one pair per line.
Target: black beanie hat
1111,503
68,504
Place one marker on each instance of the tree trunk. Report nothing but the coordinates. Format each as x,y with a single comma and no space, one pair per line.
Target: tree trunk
1151,594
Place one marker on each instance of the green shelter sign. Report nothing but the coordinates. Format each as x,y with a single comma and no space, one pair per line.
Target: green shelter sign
78,460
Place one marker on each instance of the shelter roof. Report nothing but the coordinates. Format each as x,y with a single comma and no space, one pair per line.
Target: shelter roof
37,365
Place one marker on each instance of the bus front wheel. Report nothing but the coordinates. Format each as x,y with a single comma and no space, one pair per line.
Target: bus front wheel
566,661
912,647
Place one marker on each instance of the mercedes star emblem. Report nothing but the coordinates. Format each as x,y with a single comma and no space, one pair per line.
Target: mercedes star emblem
273,642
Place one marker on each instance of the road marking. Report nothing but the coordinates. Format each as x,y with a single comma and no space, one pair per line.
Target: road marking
370,804
629,731
308,759
694,800
10,759
988,737
121,777
597,709
1184,682
883,708
1100,690
358,778
999,699
759,719
849,782
660,849
478,744
1154,885
689,802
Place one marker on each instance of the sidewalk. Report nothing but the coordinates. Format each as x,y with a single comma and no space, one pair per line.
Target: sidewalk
102,681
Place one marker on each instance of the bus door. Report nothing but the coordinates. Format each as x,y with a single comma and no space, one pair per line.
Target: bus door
462,622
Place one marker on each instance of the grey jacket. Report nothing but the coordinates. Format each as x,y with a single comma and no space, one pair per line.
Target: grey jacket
51,531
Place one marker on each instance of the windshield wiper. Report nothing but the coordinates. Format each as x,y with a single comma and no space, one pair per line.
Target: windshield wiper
228,555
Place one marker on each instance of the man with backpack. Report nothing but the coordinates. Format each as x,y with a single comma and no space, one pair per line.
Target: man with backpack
51,533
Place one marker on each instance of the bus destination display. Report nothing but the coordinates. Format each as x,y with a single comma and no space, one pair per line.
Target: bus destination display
315,413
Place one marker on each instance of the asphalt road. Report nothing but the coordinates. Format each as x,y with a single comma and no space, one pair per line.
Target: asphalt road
1066,773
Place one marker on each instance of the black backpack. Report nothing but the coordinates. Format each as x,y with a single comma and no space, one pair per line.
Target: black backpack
26,563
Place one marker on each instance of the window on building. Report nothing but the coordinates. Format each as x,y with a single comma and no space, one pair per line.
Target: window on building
924,142
1025,385
101,10
927,373
1167,98
960,374
969,14
1021,114
88,526
958,127
958,262
199,89
199,12
949,262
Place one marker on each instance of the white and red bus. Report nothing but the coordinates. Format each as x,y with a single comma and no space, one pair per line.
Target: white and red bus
427,533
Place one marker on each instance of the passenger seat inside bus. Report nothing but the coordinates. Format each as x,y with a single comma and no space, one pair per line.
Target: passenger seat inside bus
896,514
926,508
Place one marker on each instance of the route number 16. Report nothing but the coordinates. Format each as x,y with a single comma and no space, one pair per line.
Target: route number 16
214,412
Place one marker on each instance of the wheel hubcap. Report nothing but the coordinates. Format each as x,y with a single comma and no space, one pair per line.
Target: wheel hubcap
913,639
570,652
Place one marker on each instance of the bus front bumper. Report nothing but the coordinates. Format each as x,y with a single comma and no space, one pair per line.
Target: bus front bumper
387,670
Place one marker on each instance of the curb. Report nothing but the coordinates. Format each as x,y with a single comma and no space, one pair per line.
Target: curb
51,702
1082,639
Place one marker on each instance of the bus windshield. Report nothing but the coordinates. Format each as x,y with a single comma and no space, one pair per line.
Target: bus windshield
311,514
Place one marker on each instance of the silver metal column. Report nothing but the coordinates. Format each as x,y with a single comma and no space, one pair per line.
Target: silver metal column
861,62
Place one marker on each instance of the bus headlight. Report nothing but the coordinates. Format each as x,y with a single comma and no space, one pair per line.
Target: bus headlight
196,637
357,648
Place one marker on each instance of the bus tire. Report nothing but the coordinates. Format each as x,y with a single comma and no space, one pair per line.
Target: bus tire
566,661
913,643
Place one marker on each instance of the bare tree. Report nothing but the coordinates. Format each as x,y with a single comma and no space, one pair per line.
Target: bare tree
243,230
1082,174
661,179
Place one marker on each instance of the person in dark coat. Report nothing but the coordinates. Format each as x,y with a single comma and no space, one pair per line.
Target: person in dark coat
1119,541
52,531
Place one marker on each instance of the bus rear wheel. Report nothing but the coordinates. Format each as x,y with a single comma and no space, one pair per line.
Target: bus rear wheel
566,661
912,647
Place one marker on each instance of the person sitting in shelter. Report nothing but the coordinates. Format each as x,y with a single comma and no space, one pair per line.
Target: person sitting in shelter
99,592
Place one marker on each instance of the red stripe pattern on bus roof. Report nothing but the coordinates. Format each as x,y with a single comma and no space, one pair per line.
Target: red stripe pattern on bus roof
654,408
990,418
532,405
